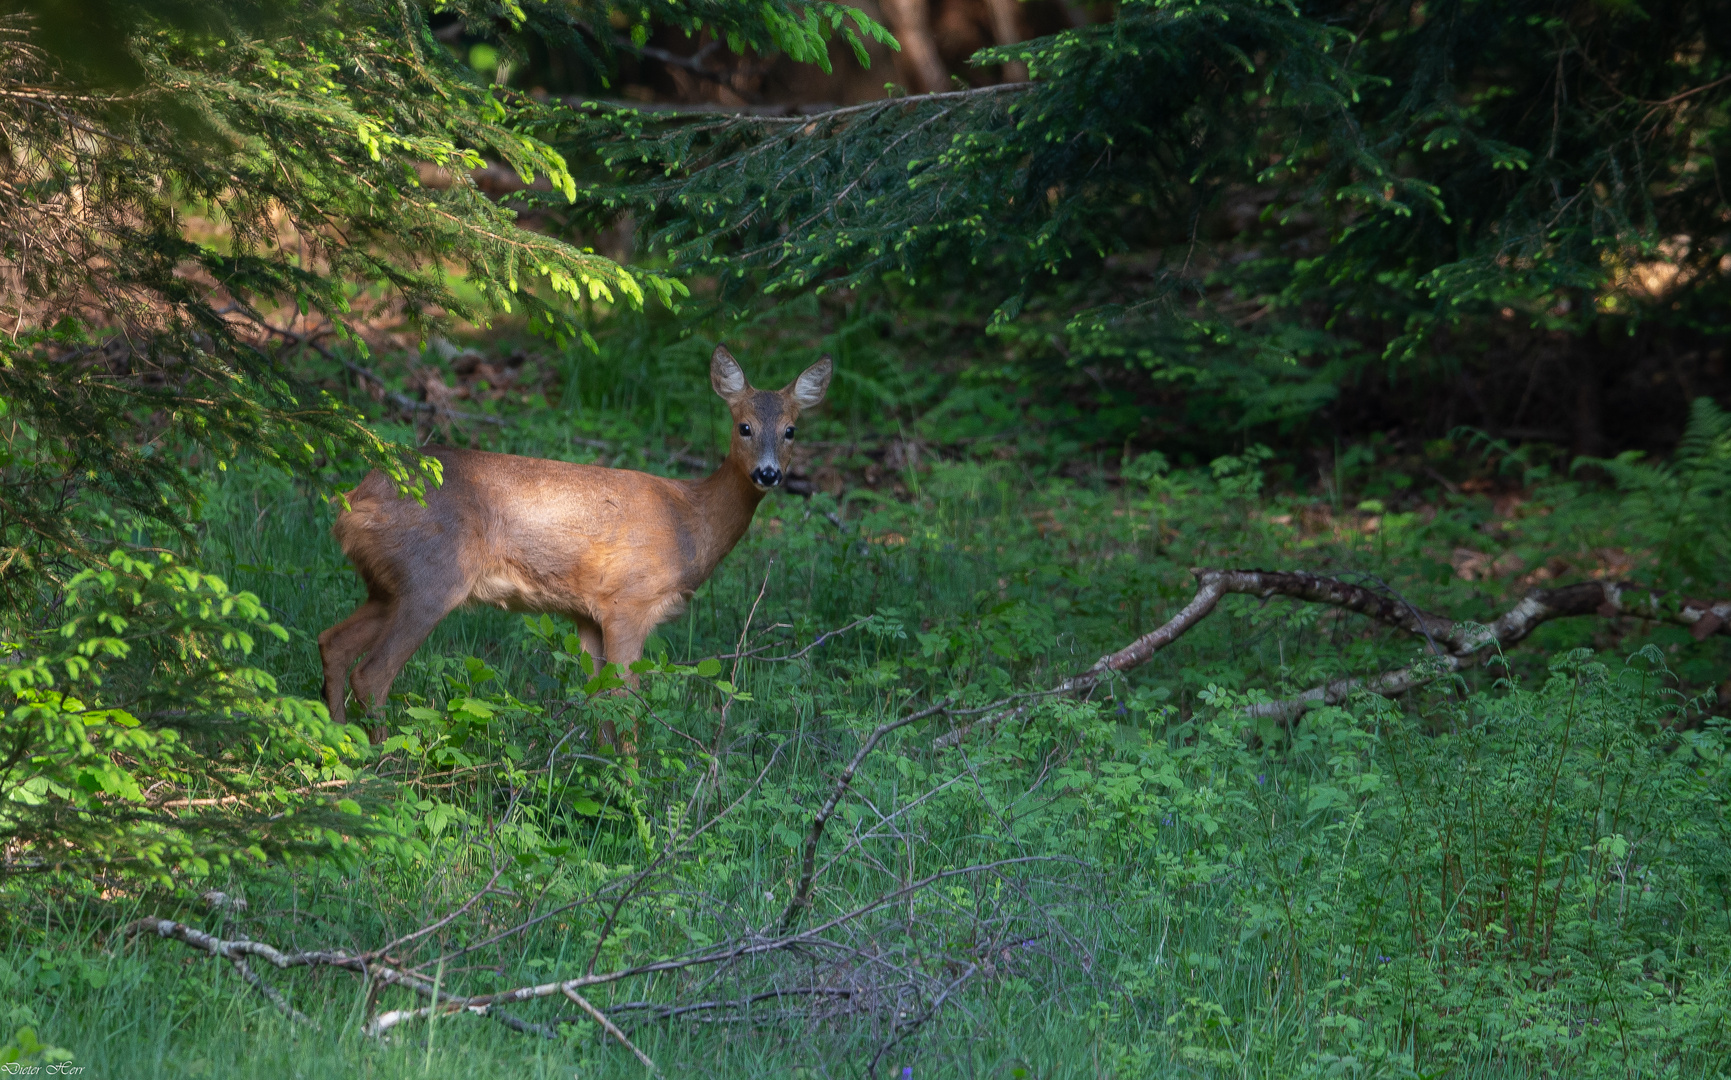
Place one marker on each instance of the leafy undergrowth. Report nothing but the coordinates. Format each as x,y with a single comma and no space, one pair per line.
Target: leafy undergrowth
1522,871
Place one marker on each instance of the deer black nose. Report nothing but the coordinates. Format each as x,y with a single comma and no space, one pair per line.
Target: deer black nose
766,476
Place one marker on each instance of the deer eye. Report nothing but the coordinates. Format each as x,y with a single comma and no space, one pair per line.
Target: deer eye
789,433
745,429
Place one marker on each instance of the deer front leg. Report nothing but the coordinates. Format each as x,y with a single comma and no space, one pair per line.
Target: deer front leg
589,633
594,643
409,622
624,640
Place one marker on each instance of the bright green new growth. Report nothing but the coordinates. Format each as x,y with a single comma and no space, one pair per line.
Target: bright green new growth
187,192
147,686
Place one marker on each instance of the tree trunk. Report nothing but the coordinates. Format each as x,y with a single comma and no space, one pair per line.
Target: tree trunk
1589,404
1007,29
918,61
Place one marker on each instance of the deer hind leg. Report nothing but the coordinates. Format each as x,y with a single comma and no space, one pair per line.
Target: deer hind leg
343,644
407,624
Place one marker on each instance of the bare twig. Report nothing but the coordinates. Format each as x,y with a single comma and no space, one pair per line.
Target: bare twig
802,895
446,921
821,638
885,819
271,993
608,1026
903,1031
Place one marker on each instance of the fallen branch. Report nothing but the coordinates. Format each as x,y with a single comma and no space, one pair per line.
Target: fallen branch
1388,684
1467,640
240,951
666,1011
1453,644
479,1004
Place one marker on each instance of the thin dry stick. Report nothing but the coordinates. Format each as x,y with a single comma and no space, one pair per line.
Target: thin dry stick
821,638
808,865
733,675
425,930
271,993
903,1031
885,819
608,1026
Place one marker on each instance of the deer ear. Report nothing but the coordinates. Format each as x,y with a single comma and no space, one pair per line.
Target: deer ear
809,388
726,375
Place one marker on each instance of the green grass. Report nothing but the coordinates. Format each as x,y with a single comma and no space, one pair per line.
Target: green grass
1211,899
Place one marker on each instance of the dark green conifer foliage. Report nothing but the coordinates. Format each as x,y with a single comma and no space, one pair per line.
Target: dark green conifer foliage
1303,190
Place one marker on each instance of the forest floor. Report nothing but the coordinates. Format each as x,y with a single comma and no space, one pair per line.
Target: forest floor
1520,868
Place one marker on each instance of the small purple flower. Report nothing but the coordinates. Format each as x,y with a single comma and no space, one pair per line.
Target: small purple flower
907,1072
1260,777
1167,820
1122,711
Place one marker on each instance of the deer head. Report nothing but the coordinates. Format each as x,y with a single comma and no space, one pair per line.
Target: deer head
764,420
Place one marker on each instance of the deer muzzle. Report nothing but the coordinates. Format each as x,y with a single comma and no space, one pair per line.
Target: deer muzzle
766,476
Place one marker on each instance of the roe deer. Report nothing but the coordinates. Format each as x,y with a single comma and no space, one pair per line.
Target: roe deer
615,551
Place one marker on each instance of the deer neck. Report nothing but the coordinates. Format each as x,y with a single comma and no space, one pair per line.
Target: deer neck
725,502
